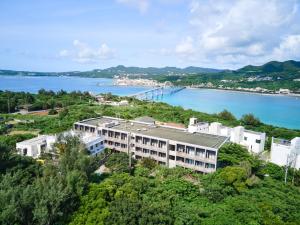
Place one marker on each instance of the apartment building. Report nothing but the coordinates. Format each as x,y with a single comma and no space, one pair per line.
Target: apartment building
167,146
253,141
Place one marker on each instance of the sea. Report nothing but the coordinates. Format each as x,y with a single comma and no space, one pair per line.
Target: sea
283,111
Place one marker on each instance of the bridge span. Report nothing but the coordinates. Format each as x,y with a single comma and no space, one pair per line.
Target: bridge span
156,93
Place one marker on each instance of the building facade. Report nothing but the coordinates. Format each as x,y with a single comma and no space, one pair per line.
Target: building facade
44,144
167,146
285,152
36,146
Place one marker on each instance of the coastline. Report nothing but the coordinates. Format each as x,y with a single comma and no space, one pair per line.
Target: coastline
248,92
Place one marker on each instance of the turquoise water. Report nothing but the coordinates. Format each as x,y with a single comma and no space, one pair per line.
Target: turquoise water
281,111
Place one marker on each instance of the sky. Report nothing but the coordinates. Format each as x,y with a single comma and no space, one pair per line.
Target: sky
68,35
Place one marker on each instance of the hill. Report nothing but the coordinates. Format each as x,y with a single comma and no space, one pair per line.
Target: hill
273,66
118,70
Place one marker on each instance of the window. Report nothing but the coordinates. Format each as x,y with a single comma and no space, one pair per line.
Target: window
209,165
200,152
190,150
258,141
172,147
97,145
163,155
180,148
91,148
123,136
138,149
180,159
189,161
161,144
153,153
199,163
210,154
145,150
245,138
171,157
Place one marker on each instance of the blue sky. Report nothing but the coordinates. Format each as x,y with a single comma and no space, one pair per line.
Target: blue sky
64,35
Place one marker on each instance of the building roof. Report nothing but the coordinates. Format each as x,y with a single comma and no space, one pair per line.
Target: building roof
145,119
97,121
33,141
89,139
180,135
207,140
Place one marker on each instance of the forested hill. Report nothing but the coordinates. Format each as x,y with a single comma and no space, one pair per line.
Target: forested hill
273,67
118,70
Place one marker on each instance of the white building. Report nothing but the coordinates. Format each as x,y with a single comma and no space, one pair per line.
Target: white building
94,144
169,146
195,126
284,152
35,146
253,141
43,144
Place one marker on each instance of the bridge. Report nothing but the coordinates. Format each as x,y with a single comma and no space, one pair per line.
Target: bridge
157,93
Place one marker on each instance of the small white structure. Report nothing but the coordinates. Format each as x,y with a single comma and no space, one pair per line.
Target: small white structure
42,144
284,91
36,146
197,127
253,141
284,152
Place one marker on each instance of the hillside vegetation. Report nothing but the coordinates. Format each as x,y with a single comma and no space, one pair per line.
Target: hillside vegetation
65,189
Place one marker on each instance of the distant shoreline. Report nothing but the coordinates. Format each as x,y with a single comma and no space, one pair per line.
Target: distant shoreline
248,92
188,87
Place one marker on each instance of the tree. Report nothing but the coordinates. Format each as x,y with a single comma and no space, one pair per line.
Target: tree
226,115
233,154
250,119
52,112
148,163
118,162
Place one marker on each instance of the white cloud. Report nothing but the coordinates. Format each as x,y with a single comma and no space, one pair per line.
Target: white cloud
248,31
141,5
64,53
289,48
83,53
186,47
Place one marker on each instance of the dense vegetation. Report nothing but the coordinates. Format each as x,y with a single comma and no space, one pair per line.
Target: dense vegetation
65,118
281,74
64,190
117,70
244,190
13,101
32,193
239,193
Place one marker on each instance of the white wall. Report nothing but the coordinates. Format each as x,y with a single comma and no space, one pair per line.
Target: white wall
254,142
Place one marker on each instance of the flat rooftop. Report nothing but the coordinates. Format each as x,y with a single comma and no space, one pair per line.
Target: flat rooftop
33,141
180,135
97,121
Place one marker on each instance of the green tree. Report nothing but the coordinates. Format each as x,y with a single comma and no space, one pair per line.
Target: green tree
250,119
226,115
